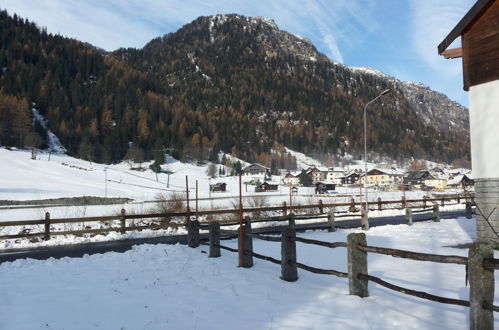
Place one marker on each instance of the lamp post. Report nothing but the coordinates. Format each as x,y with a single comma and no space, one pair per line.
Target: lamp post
366,211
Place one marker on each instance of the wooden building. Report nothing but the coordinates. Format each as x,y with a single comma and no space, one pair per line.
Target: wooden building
324,188
221,187
479,33
266,187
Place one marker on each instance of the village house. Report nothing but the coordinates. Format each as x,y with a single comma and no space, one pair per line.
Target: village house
255,169
334,174
383,177
291,179
417,178
351,177
460,181
479,50
435,183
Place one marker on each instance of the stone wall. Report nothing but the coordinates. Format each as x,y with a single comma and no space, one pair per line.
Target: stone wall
487,198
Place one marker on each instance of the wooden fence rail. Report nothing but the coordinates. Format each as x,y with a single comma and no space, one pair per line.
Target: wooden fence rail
480,266
120,223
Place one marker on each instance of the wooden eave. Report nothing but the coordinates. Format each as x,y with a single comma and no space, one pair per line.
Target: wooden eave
471,17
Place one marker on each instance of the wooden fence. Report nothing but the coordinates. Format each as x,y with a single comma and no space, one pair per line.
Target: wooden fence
122,223
480,265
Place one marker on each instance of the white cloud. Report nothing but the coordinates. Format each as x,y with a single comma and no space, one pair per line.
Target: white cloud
431,22
112,24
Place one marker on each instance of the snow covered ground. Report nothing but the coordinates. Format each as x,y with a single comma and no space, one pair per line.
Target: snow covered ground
58,175
176,287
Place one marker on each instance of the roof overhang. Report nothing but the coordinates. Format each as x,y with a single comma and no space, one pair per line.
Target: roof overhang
469,19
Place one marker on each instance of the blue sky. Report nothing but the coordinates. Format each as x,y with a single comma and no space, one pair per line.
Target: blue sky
397,37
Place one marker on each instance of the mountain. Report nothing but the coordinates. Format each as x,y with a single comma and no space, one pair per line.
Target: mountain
223,83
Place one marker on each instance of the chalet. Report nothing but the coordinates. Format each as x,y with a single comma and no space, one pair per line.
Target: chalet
318,174
334,174
350,178
383,177
266,187
291,179
417,178
460,181
324,188
218,187
435,183
255,169
479,32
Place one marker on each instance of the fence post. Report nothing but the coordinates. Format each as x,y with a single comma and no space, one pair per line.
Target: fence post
380,204
481,287
424,201
321,208
288,254
330,221
458,199
284,209
403,202
352,205
123,221
214,239
357,263
47,226
436,213
468,210
291,220
408,216
443,201
193,233
247,244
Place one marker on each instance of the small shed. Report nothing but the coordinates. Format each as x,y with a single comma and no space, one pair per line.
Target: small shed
218,187
266,187
324,188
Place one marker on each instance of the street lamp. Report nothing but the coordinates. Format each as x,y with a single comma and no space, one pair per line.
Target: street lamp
366,219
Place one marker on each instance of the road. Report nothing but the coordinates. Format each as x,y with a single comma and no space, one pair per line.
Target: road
79,250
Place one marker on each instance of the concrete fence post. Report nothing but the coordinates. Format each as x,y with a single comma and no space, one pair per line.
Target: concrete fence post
247,244
47,226
481,287
288,254
214,240
468,210
380,204
424,201
436,213
408,216
330,222
357,263
123,221
442,202
321,208
193,233
403,202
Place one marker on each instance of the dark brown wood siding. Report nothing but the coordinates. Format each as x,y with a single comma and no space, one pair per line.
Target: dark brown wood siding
481,49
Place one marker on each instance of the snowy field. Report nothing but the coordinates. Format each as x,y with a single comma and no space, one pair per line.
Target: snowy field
176,287
59,175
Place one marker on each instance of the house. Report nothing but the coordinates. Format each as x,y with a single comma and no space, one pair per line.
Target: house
324,188
218,187
417,178
383,177
435,183
266,187
334,174
460,181
350,178
479,34
291,179
255,169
